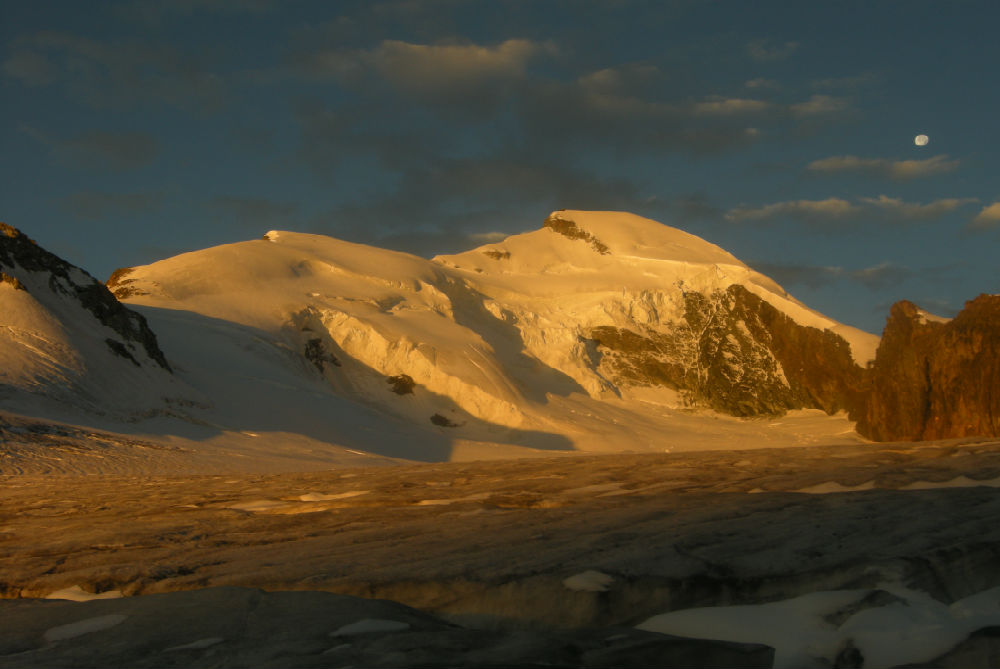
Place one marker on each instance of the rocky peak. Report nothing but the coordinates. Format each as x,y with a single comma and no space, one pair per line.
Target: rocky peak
935,379
20,254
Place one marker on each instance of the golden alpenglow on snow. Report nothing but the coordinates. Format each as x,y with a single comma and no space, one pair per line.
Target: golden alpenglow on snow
436,334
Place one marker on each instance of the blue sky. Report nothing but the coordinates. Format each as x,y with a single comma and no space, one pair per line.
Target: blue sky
782,131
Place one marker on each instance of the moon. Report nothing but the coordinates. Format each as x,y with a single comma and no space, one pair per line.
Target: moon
921,140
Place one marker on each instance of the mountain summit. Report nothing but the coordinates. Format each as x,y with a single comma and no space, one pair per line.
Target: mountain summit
593,304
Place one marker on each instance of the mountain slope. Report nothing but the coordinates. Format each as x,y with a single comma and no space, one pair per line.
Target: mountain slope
588,333
65,338
617,301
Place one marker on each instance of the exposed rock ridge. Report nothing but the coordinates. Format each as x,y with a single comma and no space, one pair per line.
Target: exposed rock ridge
19,252
567,228
122,287
934,379
737,354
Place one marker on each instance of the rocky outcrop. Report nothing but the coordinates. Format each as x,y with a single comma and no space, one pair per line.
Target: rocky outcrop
121,286
935,379
19,253
569,229
737,354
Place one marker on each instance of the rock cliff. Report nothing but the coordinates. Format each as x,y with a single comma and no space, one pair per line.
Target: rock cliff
737,354
935,378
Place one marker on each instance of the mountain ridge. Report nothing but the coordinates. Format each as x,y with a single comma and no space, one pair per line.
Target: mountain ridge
599,331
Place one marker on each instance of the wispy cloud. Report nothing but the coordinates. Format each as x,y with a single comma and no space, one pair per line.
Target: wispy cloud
912,210
730,106
881,208
761,83
876,277
98,205
115,74
895,169
763,50
830,208
820,105
433,68
988,218
849,83
114,150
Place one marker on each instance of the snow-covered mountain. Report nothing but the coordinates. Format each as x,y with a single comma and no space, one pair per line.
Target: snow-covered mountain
599,331
66,341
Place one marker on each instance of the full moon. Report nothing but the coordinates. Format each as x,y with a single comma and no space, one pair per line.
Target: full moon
921,140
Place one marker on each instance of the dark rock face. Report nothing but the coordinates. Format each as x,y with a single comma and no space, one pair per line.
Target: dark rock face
316,353
935,380
402,384
121,286
568,228
20,253
737,354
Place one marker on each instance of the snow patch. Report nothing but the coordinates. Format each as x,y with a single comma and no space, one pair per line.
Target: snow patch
370,626
589,581
914,630
77,594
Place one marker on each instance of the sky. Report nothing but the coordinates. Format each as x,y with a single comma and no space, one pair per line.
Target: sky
783,131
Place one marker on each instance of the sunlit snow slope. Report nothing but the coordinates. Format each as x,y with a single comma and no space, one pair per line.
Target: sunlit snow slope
600,331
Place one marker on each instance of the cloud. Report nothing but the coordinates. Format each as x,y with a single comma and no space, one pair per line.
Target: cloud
31,67
988,218
729,107
119,74
428,68
820,105
764,51
113,150
895,169
911,210
881,208
255,212
830,208
98,205
881,276
876,277
811,276
155,11
859,81
761,84
442,206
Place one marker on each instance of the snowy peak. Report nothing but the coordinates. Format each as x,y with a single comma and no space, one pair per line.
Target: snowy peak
52,279
591,239
64,336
